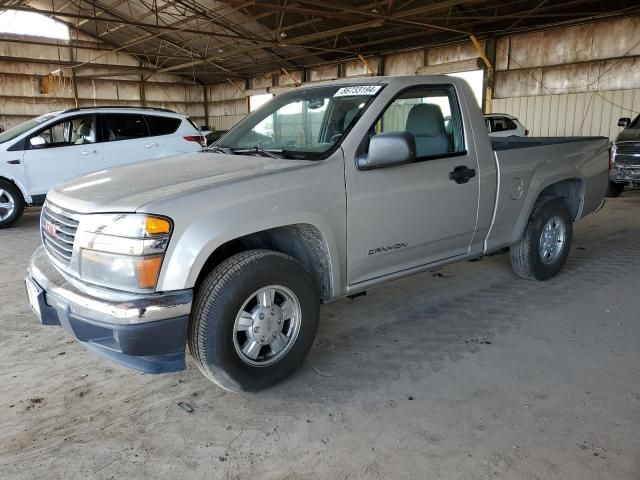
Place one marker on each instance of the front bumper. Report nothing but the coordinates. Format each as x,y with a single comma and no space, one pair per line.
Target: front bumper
145,332
623,173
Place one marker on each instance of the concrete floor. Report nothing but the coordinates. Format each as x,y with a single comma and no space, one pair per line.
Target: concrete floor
467,373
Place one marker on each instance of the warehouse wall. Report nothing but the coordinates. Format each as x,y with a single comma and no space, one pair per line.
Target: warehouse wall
566,81
27,89
571,81
228,100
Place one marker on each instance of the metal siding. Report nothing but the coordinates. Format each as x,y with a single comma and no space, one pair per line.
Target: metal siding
608,112
553,116
224,122
21,79
569,127
636,101
596,114
586,113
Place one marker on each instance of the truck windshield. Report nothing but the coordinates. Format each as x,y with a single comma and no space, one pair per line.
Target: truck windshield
305,123
635,123
24,127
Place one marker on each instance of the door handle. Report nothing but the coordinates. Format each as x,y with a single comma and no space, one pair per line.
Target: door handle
462,174
14,162
88,152
151,145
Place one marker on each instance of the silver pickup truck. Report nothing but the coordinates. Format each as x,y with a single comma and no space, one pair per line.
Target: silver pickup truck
324,192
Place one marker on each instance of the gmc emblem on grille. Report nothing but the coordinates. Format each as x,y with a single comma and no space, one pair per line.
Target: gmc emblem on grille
50,228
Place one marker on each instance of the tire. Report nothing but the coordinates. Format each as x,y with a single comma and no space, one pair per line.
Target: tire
222,340
11,204
614,190
528,259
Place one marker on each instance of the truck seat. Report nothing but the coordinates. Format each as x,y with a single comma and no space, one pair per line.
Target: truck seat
426,123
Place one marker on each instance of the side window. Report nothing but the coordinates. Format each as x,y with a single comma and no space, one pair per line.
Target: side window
510,124
431,115
162,125
123,126
501,124
70,131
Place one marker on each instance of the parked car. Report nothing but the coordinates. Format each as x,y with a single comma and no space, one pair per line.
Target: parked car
625,157
355,183
503,125
52,148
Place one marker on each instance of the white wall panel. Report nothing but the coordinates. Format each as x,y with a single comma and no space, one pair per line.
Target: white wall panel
569,114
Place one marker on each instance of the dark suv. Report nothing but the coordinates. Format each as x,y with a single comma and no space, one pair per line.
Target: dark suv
625,157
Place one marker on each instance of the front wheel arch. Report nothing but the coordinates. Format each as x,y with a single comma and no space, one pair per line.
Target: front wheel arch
20,187
302,241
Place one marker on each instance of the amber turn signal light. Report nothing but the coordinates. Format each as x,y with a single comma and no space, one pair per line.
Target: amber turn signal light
148,269
156,226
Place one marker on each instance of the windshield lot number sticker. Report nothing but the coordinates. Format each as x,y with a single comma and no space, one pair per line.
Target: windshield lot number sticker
357,90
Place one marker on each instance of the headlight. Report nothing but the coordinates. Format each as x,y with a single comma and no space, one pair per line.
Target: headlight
123,251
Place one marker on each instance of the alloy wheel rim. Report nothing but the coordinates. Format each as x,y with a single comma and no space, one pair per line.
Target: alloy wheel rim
7,205
552,239
267,325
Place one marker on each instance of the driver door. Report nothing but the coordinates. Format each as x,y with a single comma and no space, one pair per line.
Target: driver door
60,151
405,216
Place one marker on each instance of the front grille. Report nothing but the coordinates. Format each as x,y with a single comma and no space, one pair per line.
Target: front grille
627,153
58,229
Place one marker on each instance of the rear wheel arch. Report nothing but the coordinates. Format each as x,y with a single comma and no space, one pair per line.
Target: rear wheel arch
570,191
302,241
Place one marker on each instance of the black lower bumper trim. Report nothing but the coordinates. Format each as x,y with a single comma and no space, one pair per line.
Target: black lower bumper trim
152,347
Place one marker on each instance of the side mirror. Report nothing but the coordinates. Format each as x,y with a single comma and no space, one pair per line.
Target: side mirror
37,141
623,122
387,149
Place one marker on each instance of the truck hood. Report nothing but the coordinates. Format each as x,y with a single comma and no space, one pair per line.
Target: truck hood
127,188
628,134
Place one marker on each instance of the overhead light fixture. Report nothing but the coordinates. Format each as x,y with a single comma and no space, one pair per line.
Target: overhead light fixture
283,34
375,10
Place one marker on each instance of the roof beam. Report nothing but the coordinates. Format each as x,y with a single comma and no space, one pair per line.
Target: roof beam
134,23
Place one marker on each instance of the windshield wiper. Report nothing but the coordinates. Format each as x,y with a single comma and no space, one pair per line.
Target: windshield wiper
272,152
217,149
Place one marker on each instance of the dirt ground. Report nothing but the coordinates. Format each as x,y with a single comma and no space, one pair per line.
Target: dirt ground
464,373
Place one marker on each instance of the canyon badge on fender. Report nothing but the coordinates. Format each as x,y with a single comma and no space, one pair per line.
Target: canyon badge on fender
387,248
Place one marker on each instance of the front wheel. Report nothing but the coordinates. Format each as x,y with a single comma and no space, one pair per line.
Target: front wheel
11,204
544,247
254,320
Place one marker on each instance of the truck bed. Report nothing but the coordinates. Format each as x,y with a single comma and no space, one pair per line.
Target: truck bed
525,166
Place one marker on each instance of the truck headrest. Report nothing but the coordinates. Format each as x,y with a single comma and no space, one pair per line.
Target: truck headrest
425,120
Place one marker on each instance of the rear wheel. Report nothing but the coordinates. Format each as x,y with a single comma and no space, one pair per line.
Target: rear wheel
254,319
544,247
11,204
615,189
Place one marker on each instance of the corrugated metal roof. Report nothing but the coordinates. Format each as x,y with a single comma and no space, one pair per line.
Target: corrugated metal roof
211,40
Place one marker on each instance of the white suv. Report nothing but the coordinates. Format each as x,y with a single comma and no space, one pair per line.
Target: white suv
44,151
503,125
